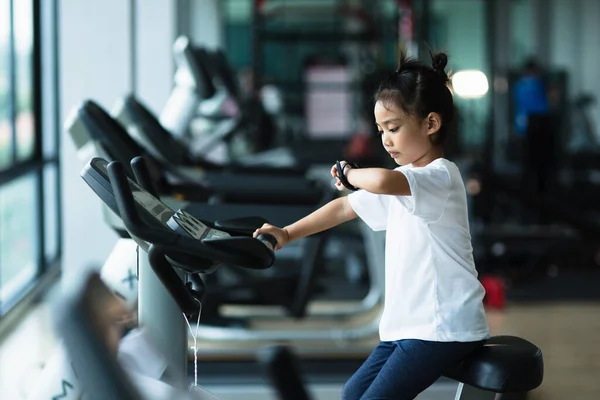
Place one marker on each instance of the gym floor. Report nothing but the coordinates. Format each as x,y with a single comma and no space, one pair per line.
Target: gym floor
567,333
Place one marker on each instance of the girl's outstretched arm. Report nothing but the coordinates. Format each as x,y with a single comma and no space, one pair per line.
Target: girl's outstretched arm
331,214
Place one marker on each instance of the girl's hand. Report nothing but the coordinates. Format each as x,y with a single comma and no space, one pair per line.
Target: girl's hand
334,173
281,234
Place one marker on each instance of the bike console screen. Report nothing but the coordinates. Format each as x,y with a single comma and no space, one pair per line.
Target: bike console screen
153,211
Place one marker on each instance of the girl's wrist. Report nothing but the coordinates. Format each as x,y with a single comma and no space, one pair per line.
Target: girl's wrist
286,234
347,171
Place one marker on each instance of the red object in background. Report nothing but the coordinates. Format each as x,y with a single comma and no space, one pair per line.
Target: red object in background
259,3
495,291
359,147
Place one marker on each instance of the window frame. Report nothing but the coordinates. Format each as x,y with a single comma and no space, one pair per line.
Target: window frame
39,160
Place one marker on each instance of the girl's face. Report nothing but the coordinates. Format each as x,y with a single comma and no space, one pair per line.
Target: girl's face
406,137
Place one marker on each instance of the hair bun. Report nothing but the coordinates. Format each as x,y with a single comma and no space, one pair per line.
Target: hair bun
439,62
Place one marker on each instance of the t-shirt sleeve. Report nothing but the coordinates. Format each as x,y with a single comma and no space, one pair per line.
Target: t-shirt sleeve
371,208
430,189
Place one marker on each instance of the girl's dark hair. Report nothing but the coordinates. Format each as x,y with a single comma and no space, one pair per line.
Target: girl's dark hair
419,89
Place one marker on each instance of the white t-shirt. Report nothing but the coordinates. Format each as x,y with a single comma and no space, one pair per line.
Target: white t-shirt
431,286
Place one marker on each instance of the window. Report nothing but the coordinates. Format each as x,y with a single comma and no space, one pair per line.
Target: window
18,236
23,83
5,78
29,214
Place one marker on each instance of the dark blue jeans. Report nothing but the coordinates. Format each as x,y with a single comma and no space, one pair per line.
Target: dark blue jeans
402,369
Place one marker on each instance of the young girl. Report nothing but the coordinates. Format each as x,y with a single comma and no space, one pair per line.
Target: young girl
433,314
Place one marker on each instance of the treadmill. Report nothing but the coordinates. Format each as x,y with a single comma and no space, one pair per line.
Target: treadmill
89,124
96,174
190,92
147,130
163,289
98,134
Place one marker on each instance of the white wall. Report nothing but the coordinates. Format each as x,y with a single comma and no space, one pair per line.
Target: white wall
205,26
155,34
96,63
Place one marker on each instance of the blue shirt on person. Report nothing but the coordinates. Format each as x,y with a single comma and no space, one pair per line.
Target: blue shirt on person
530,98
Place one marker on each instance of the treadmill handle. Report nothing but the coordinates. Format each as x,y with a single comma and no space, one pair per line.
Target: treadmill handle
139,165
128,211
